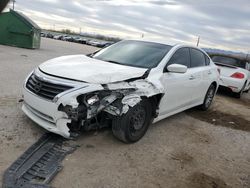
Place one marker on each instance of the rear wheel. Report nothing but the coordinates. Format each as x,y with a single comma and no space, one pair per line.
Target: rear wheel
133,125
208,98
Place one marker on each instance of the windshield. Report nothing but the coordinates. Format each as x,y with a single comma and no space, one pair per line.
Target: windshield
134,53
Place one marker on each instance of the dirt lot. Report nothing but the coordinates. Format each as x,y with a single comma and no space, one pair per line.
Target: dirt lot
192,149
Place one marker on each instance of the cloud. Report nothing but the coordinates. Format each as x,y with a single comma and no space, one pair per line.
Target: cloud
223,24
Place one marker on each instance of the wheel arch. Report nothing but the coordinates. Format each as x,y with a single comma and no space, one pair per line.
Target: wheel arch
155,102
215,84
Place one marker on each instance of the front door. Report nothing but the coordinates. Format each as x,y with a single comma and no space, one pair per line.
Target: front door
179,87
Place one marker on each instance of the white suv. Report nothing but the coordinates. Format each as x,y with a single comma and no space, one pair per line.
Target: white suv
127,86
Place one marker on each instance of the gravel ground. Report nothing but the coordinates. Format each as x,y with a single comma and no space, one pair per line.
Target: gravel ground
192,149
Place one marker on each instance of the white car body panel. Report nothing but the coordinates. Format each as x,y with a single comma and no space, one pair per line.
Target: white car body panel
45,112
180,91
235,84
90,70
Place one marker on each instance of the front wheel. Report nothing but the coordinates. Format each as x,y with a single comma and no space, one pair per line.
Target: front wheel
208,98
133,125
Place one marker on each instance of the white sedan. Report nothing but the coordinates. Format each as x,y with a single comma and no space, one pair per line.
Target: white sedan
126,86
235,74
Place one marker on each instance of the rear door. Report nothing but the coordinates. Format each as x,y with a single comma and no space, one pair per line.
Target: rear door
200,71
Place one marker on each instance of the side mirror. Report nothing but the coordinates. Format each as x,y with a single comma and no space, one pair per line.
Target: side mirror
176,68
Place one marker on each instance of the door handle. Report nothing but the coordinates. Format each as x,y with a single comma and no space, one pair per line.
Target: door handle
191,77
209,72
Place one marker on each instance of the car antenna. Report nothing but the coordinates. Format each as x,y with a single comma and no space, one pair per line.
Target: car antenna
198,41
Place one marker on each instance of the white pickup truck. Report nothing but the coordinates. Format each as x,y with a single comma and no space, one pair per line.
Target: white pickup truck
234,73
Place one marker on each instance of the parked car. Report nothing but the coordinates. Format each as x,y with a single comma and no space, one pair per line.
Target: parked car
100,44
49,35
58,37
79,40
235,74
85,41
43,34
106,44
67,38
126,86
94,43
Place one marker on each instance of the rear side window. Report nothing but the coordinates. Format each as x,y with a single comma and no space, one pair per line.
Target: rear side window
181,57
197,58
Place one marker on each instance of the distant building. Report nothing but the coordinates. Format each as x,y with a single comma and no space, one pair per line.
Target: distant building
16,29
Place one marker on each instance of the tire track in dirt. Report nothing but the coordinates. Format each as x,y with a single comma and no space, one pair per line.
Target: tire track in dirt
201,180
219,118
183,158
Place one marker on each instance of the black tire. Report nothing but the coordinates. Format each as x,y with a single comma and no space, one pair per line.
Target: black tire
133,125
237,95
208,98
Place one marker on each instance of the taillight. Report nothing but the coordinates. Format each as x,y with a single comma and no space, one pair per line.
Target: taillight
238,75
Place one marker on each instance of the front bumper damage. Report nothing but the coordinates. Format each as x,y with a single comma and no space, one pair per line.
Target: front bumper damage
71,111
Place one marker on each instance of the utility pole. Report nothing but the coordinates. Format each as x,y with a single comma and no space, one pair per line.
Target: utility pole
13,1
198,41
80,31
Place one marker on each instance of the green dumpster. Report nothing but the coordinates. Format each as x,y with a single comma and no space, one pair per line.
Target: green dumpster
16,29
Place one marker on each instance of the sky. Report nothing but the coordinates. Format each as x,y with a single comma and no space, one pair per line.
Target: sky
223,24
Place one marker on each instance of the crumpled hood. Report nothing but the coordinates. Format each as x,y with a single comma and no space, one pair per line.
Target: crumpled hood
83,68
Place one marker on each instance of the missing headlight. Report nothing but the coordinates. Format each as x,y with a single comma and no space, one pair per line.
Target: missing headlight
92,100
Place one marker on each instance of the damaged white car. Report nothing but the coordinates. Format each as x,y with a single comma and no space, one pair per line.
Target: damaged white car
126,86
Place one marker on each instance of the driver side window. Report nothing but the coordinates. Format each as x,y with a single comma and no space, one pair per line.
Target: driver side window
181,57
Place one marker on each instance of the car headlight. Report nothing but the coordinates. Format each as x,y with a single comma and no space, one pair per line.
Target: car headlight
96,97
92,100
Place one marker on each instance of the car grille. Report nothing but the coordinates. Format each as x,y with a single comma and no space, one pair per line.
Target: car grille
45,89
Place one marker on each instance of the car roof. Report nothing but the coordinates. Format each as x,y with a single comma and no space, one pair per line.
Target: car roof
174,45
154,41
162,41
